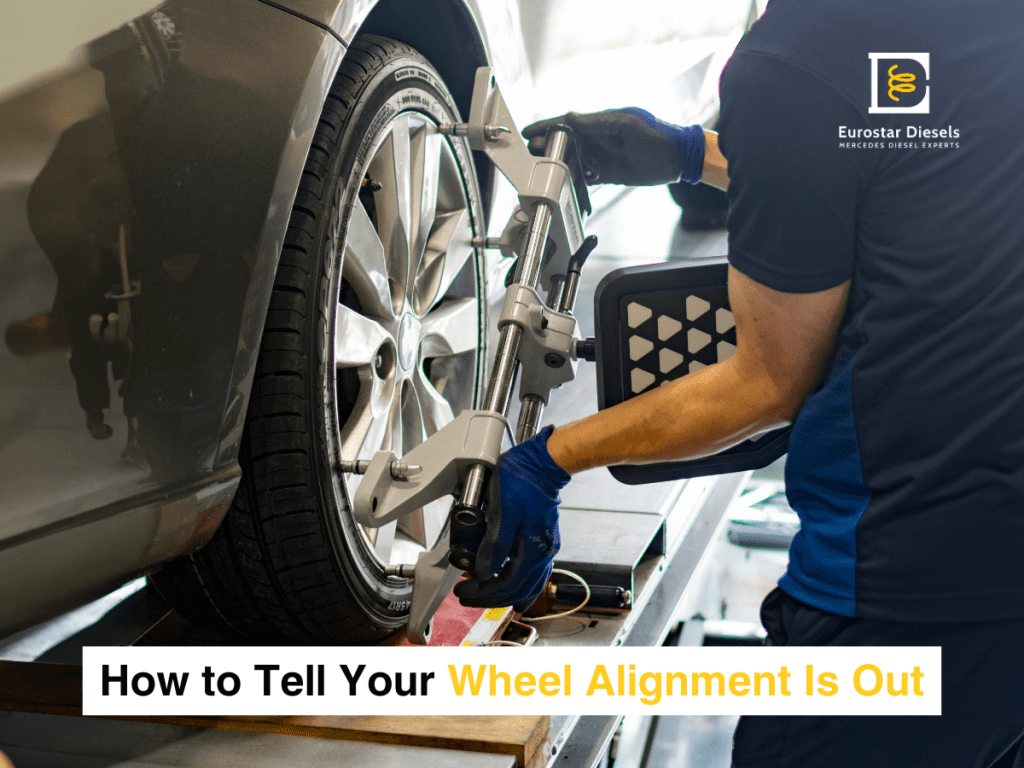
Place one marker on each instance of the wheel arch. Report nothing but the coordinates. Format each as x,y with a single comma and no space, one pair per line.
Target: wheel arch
420,25
429,27
320,64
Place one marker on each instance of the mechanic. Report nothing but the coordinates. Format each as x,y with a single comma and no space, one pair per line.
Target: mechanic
878,294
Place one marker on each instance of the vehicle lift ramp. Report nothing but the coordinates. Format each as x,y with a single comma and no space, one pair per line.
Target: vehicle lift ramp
644,566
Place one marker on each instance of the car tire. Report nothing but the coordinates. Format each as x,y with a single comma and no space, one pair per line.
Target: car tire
374,339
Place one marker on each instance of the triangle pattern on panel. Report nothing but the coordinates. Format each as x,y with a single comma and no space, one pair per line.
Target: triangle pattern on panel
668,327
638,347
723,320
696,366
695,307
696,340
636,314
641,380
667,360
725,350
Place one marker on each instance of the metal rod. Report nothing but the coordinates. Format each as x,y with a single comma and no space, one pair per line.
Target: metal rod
555,293
529,417
499,388
558,142
467,514
567,301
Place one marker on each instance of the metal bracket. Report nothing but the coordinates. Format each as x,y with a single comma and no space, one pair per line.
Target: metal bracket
546,232
474,437
435,577
492,130
511,240
547,351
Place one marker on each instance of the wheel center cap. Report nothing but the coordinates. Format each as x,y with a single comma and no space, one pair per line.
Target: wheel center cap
408,341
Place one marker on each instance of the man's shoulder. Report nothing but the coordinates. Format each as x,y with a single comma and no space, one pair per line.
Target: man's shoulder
827,39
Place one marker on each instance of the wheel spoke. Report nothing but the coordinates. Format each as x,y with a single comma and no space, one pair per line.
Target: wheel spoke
425,158
451,329
365,265
390,168
395,439
435,515
383,539
447,251
437,412
364,433
357,339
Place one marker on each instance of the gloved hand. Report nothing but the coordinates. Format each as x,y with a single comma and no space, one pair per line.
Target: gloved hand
522,528
629,146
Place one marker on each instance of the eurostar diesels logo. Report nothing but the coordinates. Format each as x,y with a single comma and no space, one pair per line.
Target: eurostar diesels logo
899,83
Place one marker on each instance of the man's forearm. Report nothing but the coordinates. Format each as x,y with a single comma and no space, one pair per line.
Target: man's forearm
716,169
783,345
699,414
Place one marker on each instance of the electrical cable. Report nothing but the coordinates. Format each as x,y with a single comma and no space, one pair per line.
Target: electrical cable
563,614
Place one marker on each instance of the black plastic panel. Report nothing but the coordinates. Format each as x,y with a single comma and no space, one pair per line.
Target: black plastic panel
655,324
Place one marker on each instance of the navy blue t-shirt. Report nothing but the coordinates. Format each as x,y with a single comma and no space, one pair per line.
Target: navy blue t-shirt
883,143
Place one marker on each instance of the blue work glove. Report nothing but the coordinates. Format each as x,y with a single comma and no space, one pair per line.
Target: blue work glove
629,146
515,557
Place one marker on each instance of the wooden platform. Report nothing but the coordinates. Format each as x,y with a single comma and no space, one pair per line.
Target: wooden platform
56,689
56,741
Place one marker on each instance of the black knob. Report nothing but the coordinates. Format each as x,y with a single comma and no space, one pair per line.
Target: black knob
586,349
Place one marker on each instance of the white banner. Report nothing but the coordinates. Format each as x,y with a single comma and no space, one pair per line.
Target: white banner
508,681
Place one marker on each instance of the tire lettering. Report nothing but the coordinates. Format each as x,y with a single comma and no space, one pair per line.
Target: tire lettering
373,131
402,74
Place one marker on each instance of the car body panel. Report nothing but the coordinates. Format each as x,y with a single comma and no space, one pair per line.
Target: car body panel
168,127
82,558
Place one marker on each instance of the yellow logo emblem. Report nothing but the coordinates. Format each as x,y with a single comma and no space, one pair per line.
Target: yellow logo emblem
901,82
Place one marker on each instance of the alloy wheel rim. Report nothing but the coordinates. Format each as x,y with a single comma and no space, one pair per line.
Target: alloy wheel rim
407,316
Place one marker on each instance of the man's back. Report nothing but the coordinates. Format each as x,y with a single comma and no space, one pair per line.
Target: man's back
881,143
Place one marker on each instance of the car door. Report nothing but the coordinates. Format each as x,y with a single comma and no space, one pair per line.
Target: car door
63,203
148,154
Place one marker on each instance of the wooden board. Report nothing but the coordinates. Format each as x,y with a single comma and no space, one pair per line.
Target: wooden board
55,741
525,738
57,689
30,686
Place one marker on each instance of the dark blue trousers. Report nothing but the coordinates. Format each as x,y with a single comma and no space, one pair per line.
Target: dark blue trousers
982,721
